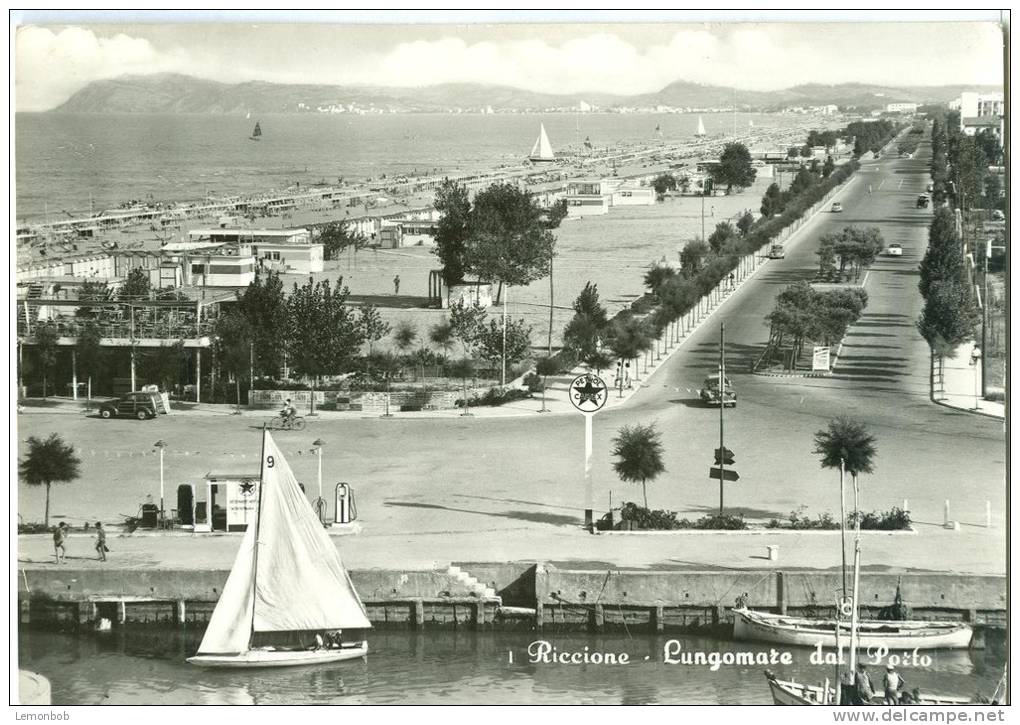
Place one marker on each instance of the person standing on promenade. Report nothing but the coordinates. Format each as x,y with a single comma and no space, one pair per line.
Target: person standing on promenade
101,541
396,285
59,537
892,683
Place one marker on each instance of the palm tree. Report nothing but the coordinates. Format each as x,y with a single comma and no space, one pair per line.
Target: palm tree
441,334
48,461
639,449
848,446
463,369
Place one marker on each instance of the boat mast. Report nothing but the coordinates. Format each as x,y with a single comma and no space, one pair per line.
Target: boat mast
258,520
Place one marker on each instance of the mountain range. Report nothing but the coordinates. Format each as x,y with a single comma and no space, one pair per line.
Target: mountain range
174,93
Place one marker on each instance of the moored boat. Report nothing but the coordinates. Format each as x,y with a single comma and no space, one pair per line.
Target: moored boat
750,625
790,692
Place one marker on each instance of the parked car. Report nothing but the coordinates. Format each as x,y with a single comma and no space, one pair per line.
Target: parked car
895,250
132,405
922,201
777,251
998,215
710,394
836,207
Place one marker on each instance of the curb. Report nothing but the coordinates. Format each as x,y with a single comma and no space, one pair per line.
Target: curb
981,413
753,532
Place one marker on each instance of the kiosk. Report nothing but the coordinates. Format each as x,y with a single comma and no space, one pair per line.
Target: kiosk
231,501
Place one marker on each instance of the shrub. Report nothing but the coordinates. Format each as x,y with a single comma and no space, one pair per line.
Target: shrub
895,519
797,520
642,518
728,522
496,396
534,383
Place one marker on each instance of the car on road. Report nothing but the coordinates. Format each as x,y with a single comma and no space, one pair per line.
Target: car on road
777,251
836,207
922,201
931,187
894,250
710,393
998,216
132,405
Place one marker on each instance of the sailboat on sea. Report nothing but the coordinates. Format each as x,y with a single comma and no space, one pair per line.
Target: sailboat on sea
542,150
256,134
701,128
288,593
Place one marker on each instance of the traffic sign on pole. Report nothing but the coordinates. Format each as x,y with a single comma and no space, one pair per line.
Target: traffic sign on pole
723,455
726,474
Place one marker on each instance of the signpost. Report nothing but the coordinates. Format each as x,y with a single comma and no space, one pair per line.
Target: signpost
588,394
820,359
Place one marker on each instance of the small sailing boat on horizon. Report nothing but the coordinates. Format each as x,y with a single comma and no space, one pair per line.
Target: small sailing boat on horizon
701,128
288,598
256,134
542,150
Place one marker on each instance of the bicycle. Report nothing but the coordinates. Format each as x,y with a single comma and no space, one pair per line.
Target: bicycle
293,423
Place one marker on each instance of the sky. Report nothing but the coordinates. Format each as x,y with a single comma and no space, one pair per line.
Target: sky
53,60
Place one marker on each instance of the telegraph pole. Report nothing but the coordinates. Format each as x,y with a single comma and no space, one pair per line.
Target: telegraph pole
722,407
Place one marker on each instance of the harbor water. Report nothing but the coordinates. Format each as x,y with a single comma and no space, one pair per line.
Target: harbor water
144,667
67,164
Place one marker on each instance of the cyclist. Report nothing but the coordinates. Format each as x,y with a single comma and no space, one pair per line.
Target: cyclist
288,413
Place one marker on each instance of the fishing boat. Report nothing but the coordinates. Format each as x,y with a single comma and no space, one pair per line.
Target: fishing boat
701,128
256,134
542,150
790,692
287,590
750,625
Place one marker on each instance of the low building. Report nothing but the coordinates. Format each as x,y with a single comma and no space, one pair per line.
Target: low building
901,107
632,194
290,258
588,197
252,236
214,264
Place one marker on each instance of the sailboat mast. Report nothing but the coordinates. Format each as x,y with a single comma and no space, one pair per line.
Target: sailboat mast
258,520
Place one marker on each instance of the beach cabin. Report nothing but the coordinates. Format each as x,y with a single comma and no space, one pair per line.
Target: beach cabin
588,197
219,264
631,193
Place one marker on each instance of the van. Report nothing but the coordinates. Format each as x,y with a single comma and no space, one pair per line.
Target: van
777,251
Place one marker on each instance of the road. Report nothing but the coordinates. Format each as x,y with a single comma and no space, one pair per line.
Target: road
509,489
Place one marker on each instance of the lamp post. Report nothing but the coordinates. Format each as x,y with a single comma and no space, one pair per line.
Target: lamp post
319,443
975,358
161,445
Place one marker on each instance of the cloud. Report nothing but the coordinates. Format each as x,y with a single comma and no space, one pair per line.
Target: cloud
50,66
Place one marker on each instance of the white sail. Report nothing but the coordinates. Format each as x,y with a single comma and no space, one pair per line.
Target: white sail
300,582
229,629
701,127
542,150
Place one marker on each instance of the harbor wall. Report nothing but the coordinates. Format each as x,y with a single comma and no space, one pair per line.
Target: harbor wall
528,596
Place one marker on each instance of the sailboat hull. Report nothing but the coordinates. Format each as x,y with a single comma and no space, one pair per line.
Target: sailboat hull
788,692
750,626
281,658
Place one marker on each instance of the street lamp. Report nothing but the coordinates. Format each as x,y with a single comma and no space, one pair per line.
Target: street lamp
161,445
319,443
975,358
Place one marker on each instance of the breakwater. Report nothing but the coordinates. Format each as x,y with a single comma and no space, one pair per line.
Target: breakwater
530,596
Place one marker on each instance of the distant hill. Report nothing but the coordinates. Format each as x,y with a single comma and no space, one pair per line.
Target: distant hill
172,93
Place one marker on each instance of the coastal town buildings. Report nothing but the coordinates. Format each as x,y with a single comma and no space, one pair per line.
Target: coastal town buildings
979,111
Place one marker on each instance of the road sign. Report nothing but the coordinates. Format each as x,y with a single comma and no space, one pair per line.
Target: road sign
588,393
727,475
723,455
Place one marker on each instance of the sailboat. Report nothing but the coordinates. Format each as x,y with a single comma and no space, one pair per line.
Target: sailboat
542,150
256,134
286,587
701,128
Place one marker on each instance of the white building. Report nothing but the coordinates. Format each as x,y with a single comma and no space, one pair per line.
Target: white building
632,194
982,110
588,197
901,107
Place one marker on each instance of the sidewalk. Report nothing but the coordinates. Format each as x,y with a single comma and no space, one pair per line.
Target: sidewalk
961,386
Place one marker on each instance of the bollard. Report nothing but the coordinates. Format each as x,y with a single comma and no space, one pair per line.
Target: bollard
945,516
988,514
773,552
906,505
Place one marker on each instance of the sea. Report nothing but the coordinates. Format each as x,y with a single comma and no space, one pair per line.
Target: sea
144,667
72,164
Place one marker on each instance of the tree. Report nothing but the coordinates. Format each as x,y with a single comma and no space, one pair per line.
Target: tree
638,449
232,338
373,325
545,367
489,341
508,240
441,334
452,230
691,257
463,368
92,291
772,202
466,322
657,275
587,303
264,305
324,335
745,222
162,365
91,357
662,183
734,167
46,336
405,336
970,167
846,445
943,259
803,181
136,286
723,232
583,334
46,462
988,142
628,337
828,167
337,237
